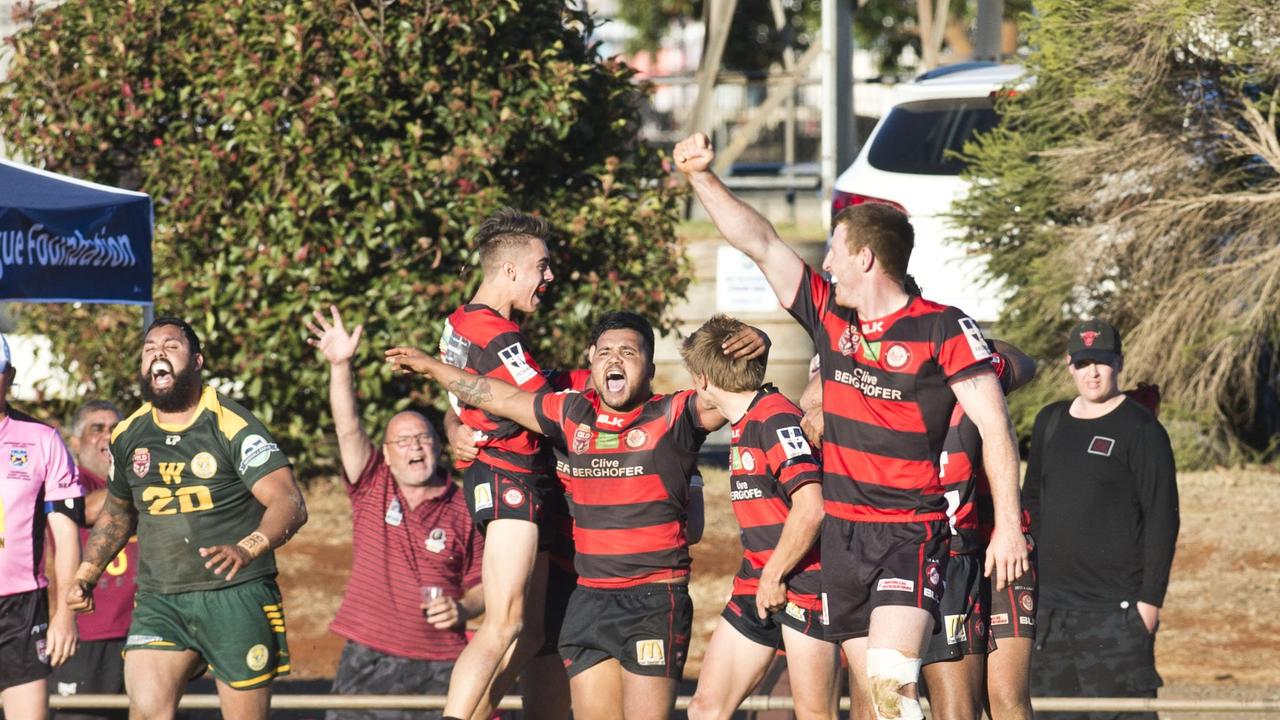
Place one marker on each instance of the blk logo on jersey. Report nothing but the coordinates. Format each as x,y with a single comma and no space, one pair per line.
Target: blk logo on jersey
1100,445
793,442
513,359
609,420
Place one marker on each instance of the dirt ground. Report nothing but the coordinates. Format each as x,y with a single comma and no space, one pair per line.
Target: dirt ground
1220,635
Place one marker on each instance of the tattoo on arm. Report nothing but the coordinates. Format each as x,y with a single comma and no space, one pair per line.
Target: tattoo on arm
472,392
111,532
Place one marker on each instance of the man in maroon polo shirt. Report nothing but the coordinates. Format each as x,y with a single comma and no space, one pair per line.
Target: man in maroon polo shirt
98,665
415,574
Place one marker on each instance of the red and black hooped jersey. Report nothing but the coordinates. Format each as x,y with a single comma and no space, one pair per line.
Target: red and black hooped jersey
482,342
769,460
964,482
886,400
627,482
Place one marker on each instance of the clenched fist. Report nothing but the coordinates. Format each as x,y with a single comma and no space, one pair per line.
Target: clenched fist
694,154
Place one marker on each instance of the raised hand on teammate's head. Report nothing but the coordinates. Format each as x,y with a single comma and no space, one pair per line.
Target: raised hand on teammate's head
694,154
332,339
749,343
409,360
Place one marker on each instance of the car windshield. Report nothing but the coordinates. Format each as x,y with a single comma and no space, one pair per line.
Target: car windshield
919,137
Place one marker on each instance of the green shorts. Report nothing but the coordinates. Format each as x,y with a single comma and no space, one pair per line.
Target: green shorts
239,631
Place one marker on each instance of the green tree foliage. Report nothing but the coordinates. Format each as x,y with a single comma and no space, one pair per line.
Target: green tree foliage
1136,178
755,43
303,153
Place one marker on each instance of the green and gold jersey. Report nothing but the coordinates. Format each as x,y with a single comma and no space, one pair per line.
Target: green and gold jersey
191,487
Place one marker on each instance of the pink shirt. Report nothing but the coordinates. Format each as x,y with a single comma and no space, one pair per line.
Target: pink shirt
397,550
35,468
113,597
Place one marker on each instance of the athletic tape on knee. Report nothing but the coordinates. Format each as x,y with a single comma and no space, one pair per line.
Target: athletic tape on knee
888,670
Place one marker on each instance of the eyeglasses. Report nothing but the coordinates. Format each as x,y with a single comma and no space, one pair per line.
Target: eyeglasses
405,442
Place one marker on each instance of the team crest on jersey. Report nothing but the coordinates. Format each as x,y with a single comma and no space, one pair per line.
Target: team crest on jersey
637,438
512,357
204,466
793,442
582,438
748,461
436,540
17,457
849,340
897,356
141,462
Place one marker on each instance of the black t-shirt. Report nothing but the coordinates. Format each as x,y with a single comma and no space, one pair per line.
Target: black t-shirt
1103,500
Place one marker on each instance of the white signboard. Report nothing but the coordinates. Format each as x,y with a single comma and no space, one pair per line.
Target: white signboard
740,286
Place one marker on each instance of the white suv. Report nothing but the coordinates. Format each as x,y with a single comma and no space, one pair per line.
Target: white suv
906,163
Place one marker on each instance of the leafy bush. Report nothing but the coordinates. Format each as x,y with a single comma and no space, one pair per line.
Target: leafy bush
1137,179
327,151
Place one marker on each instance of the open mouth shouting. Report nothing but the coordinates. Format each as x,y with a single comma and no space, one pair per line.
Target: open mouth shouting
615,381
161,375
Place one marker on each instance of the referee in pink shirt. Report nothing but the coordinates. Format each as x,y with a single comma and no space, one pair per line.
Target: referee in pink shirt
415,572
39,488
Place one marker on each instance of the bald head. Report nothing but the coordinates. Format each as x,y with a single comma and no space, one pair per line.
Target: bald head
412,448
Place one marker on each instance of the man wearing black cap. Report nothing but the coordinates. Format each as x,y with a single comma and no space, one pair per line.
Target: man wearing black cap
1103,498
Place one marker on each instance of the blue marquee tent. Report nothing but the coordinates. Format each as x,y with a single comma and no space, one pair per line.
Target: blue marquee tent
68,240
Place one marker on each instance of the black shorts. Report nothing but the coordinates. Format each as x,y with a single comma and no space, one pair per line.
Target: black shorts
96,668
645,628
867,565
963,630
365,671
560,586
740,612
24,645
1013,610
494,494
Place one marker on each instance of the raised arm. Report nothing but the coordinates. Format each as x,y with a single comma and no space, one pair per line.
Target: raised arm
339,347
493,396
983,401
739,223
286,513
115,524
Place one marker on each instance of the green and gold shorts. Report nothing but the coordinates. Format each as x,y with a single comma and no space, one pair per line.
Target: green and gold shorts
238,631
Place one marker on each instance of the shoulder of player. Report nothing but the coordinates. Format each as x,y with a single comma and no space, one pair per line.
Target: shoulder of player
230,417
32,429
132,424
481,324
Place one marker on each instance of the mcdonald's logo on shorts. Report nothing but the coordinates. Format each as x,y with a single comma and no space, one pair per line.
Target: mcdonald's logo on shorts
650,652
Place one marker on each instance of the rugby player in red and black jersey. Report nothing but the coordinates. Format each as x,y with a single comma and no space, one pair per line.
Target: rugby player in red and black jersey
776,492
629,463
893,366
983,634
505,485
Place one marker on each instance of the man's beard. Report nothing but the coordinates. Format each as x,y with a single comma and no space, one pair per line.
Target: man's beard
184,392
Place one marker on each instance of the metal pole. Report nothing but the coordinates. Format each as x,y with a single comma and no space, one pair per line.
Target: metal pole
987,34
148,315
838,130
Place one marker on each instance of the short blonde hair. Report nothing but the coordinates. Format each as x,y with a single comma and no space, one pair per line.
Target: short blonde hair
703,354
